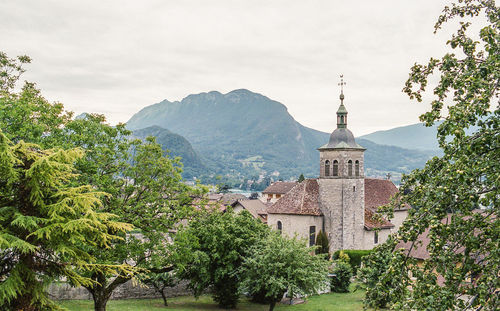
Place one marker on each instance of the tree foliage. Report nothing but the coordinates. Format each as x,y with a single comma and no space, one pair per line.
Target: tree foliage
27,115
456,197
47,225
322,243
278,264
374,276
145,189
211,249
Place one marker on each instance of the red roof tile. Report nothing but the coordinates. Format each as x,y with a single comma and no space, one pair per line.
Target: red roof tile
303,199
280,187
378,192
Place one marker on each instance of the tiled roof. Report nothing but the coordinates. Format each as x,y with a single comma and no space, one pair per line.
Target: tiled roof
374,221
230,198
303,199
254,207
280,187
378,192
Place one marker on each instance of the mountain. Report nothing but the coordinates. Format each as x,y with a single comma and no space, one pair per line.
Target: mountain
239,131
177,146
415,136
245,134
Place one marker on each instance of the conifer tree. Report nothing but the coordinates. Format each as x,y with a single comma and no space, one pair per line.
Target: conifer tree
47,225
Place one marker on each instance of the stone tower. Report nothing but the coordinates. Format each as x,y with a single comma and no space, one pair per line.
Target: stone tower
341,186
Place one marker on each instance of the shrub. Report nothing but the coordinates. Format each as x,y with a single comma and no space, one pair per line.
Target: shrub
341,280
322,243
355,256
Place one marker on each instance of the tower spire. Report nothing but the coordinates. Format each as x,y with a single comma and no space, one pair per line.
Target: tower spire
342,112
342,83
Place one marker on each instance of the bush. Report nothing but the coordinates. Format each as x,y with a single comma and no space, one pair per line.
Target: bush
322,243
355,255
341,280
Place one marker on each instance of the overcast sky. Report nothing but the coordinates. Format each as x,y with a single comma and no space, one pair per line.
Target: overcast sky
116,57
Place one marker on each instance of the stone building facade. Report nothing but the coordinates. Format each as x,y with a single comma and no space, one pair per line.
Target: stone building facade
341,202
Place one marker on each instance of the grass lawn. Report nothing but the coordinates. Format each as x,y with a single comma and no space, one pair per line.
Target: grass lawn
326,302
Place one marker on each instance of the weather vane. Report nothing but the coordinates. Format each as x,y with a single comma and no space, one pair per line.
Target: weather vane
342,83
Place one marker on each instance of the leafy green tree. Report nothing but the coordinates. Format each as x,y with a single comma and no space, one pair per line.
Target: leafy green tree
211,249
47,225
27,115
145,189
456,196
278,264
373,275
160,281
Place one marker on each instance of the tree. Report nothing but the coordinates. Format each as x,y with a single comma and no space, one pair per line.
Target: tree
47,225
211,249
27,115
373,276
160,282
455,197
301,178
322,243
278,264
145,189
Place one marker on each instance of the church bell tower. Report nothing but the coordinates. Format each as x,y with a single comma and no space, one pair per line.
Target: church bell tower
341,184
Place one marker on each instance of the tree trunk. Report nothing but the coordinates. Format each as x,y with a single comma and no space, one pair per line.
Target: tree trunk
272,305
100,301
164,298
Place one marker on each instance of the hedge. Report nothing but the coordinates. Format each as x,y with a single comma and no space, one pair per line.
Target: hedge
355,256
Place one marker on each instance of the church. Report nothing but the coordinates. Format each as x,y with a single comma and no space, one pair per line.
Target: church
341,202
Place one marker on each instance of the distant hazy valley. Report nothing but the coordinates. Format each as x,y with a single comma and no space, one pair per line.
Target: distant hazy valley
243,135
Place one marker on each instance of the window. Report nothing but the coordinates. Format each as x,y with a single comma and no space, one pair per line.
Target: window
335,168
375,237
312,235
327,168
353,188
356,168
279,226
349,168
278,196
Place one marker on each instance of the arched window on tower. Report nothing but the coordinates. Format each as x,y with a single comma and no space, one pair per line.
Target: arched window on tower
341,119
335,168
356,168
349,168
327,168
279,226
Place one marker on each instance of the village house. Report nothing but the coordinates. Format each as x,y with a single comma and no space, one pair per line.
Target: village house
276,190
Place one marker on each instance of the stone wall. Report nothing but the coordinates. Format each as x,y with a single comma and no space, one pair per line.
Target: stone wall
129,290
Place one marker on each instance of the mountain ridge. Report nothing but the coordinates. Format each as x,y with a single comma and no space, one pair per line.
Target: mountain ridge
242,133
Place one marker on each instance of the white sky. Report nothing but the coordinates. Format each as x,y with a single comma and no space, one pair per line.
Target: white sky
116,57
